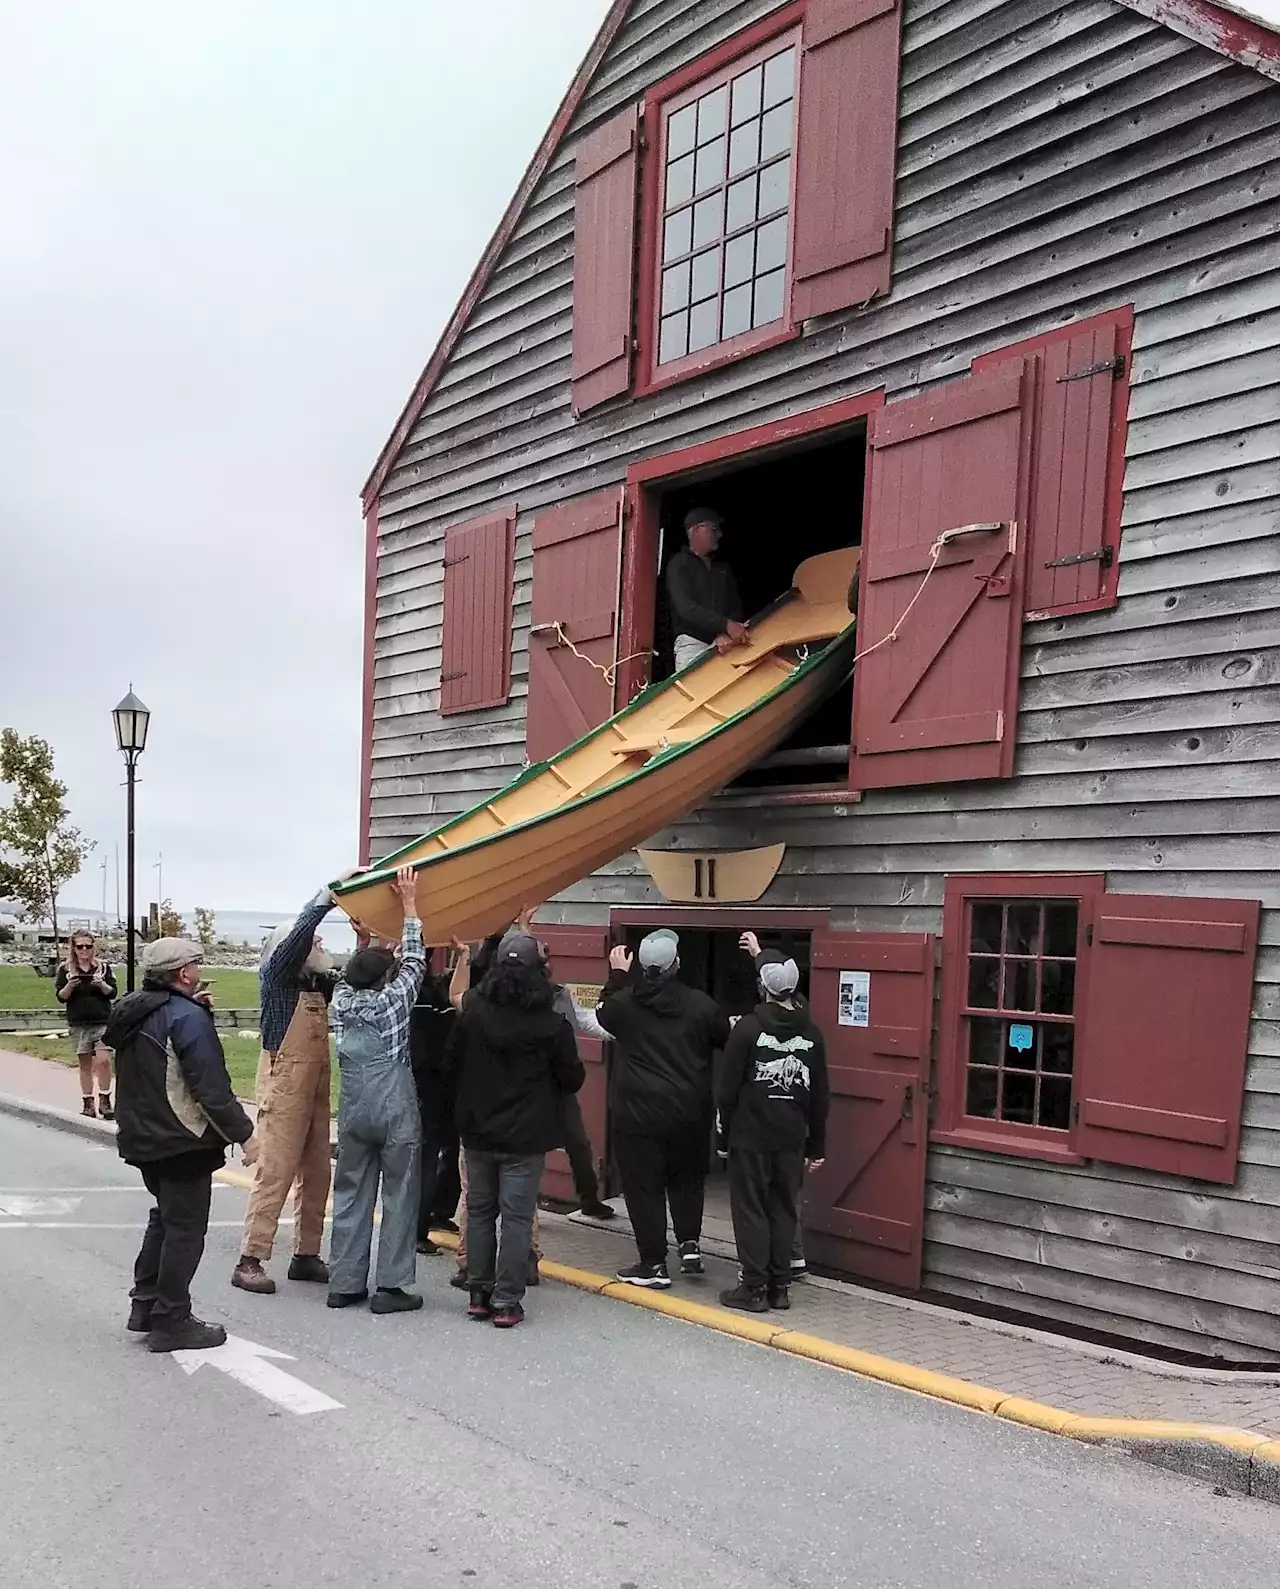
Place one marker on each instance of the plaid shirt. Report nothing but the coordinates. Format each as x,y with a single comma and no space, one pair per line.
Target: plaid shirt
278,981
389,1008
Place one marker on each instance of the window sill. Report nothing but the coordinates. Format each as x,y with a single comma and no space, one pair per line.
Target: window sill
718,356
1008,1143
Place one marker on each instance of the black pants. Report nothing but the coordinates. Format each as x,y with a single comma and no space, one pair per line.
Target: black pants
441,1181
657,1170
174,1242
577,1144
764,1189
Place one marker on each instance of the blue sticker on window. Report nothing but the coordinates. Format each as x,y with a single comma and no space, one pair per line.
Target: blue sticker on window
1021,1037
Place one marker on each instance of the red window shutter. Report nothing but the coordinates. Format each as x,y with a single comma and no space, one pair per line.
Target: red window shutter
1164,1032
848,139
1077,482
938,704
603,261
577,550
475,662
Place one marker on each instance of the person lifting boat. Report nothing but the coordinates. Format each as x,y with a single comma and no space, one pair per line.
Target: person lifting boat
706,607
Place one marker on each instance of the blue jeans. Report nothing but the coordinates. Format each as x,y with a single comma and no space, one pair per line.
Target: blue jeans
506,1184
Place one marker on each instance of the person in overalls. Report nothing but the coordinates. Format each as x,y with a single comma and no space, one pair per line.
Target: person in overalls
379,1127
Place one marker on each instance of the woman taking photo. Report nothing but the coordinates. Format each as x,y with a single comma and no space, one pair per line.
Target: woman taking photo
85,985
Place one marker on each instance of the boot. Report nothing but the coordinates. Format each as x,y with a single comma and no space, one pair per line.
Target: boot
747,1299
593,1208
140,1317
346,1299
427,1247
392,1299
105,1111
186,1335
481,1304
249,1275
309,1267
779,1299
86,1106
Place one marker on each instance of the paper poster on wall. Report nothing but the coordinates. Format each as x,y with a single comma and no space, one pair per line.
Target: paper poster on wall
855,998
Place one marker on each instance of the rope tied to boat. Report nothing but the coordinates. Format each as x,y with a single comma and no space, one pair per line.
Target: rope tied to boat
609,673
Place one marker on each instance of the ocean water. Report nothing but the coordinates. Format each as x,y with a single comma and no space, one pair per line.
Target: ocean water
244,926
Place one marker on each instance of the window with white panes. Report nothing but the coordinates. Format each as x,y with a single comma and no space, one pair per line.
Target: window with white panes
725,206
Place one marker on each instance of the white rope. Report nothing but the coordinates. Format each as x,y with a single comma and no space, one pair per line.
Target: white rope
935,553
610,673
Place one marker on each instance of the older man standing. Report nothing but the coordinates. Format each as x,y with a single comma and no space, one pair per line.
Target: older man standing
296,981
706,609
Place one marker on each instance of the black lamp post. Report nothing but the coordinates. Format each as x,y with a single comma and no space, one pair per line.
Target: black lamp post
131,719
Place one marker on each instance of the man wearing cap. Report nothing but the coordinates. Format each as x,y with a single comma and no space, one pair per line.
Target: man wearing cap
706,609
175,1115
771,1107
666,1035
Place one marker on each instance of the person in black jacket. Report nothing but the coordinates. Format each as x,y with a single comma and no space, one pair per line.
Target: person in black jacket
431,1022
771,1105
87,988
175,1114
515,1057
706,609
665,1038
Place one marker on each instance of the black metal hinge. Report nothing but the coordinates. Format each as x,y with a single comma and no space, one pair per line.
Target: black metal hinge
1112,367
448,678
452,562
1104,555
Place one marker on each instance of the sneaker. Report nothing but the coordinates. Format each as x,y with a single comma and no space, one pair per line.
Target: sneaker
746,1299
531,1275
249,1275
451,1225
86,1108
691,1259
310,1268
427,1247
593,1208
507,1315
779,1299
653,1275
140,1317
799,1269
392,1299
481,1305
458,1280
346,1299
105,1111
186,1335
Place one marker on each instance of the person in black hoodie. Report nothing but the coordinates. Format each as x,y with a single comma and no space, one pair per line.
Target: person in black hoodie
771,1101
666,1035
87,988
515,1057
175,1114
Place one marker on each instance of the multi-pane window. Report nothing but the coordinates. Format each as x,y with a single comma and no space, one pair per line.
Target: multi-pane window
726,206
1018,1011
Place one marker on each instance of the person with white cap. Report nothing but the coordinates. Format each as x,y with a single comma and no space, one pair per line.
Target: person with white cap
772,1097
706,608
666,1035
175,1114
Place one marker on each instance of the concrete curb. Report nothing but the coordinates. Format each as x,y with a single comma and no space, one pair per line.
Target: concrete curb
41,1114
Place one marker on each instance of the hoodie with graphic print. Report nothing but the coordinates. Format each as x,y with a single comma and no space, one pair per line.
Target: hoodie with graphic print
772,1093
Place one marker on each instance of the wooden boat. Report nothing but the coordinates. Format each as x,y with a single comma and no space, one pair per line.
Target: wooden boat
678,742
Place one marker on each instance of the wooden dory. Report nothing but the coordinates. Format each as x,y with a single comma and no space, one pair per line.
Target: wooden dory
677,743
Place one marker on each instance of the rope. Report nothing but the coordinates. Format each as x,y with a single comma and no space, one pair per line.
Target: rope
609,674
935,553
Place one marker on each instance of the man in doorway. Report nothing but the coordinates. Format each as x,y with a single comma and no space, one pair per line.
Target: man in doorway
175,1113
297,980
666,1035
706,609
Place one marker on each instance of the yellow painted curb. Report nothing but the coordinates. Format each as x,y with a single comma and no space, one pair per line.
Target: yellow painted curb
1242,1441
234,1178
1036,1415
905,1375
744,1326
567,1275
1268,1451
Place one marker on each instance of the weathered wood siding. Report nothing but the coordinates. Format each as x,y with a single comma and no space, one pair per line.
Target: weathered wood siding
1056,158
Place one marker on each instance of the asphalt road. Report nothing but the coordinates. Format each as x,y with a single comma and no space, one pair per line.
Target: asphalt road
597,1445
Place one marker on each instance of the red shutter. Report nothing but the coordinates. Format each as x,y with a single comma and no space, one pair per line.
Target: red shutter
475,662
1077,482
578,957
1164,1032
603,260
848,140
938,704
577,551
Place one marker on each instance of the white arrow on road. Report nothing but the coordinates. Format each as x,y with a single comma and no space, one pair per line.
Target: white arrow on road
247,1362
26,1207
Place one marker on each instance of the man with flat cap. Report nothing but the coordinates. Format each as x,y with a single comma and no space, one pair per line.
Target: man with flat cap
706,609
666,1035
175,1115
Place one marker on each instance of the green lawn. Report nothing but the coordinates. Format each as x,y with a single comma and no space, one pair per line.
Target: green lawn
22,989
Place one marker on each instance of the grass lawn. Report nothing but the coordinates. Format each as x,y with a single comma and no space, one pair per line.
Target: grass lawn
22,989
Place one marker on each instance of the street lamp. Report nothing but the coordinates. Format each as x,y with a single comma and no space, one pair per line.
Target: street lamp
131,720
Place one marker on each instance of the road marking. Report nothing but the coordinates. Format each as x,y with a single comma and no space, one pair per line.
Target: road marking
24,1207
248,1364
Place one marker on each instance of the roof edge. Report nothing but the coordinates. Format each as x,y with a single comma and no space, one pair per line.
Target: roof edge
1231,30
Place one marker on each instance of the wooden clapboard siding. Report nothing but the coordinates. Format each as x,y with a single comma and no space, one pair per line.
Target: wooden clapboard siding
1057,158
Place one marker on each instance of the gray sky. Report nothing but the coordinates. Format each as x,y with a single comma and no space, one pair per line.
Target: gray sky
232,234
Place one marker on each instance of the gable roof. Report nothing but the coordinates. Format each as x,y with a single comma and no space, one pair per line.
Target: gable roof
1231,30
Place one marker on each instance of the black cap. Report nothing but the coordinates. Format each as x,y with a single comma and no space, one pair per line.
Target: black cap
520,949
702,516
368,967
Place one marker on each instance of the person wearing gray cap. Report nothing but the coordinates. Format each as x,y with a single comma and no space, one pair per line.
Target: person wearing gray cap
706,608
175,1114
666,1035
772,1098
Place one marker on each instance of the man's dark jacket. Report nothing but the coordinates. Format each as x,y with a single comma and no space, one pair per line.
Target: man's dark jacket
666,1035
513,1069
173,1094
703,596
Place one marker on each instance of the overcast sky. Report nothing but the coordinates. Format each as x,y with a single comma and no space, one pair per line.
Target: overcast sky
231,236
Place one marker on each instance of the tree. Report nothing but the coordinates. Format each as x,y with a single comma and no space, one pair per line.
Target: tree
204,927
43,851
171,924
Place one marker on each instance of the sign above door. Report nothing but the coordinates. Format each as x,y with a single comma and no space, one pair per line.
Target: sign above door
719,877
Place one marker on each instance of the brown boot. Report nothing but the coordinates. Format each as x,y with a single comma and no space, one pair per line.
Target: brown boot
249,1275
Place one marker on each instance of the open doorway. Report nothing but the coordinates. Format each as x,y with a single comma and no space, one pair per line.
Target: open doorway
777,510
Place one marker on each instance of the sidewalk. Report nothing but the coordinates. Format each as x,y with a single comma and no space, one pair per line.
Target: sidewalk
1034,1367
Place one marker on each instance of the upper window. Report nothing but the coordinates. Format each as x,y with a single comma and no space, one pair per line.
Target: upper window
725,206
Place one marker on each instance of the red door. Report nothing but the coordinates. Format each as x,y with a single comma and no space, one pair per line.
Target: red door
577,550
873,998
578,959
